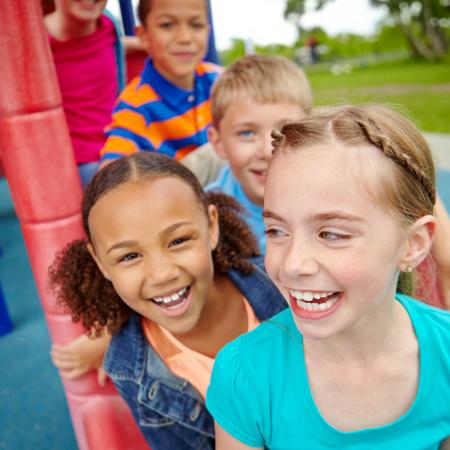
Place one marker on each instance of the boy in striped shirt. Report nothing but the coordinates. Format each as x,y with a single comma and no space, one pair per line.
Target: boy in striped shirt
167,108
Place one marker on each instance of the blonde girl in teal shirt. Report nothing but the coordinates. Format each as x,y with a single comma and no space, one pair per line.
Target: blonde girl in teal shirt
348,209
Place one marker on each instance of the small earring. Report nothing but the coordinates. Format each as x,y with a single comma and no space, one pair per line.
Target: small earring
409,269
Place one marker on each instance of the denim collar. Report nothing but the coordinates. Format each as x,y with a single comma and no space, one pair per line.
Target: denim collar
131,358
172,94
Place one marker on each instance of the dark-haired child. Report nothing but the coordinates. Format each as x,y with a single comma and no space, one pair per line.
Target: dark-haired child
167,108
172,282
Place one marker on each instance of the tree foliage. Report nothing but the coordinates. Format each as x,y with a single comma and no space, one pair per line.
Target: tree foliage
419,20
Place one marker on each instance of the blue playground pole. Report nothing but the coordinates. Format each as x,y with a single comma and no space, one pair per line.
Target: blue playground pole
5,322
212,54
126,9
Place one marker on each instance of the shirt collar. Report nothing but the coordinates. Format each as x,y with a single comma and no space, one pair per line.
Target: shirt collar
172,94
235,189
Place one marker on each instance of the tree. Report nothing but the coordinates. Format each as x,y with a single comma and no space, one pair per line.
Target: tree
419,20
420,24
295,9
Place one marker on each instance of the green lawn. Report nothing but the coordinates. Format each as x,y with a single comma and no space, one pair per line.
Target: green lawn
420,89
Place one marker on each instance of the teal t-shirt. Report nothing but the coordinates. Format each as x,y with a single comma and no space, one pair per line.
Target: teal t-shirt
259,391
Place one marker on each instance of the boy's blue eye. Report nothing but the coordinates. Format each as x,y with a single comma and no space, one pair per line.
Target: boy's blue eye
129,256
247,134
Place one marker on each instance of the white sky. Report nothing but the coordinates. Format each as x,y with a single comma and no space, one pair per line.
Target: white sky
262,21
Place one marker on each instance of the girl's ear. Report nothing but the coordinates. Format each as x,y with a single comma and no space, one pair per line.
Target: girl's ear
214,232
91,251
419,240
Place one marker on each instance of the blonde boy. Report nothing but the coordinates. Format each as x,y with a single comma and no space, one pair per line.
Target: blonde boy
252,97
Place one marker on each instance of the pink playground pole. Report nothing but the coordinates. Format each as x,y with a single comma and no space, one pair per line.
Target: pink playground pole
37,158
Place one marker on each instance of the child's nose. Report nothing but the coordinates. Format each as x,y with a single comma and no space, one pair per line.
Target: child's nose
160,270
184,33
300,260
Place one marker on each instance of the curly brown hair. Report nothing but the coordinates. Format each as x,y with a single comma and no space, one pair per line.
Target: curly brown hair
75,278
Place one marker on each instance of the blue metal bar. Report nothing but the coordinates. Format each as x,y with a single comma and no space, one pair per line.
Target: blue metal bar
212,54
5,322
126,10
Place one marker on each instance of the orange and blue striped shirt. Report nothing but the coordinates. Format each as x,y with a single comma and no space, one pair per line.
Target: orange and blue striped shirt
152,114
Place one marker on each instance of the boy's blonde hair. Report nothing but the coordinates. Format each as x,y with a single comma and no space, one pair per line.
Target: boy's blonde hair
409,188
265,79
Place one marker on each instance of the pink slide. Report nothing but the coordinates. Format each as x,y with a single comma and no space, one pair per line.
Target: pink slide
37,159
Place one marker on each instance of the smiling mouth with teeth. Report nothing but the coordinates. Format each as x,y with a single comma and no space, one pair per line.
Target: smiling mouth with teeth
174,299
315,301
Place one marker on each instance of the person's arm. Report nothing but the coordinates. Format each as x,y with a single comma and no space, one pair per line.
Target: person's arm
225,441
81,355
131,44
445,444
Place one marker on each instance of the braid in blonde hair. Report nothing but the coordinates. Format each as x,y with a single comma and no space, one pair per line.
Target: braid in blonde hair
278,139
393,151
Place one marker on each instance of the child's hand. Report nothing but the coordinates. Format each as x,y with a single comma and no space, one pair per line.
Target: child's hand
132,44
80,356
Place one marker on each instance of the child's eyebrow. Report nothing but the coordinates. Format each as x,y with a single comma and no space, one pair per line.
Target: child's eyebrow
267,214
335,215
131,243
321,217
120,245
244,124
173,227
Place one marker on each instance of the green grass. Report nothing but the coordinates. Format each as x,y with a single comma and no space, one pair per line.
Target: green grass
419,89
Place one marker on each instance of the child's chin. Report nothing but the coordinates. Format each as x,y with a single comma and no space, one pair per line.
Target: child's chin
256,197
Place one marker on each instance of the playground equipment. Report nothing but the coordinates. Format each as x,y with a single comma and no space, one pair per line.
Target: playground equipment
37,159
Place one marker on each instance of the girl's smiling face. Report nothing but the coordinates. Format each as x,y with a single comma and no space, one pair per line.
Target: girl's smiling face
154,240
332,250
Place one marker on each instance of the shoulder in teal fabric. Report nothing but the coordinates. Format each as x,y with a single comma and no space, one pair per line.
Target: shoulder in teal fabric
253,397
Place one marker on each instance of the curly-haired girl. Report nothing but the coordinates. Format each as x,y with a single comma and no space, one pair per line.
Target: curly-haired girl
173,274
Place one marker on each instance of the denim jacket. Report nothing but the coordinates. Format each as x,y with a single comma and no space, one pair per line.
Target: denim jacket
169,411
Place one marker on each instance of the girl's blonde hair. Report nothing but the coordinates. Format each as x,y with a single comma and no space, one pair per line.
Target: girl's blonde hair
409,188
265,79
